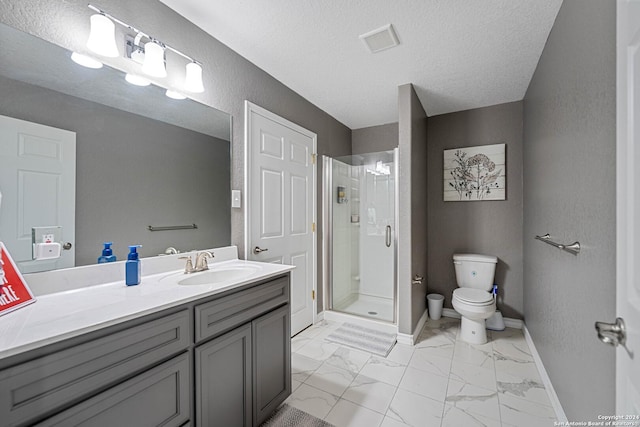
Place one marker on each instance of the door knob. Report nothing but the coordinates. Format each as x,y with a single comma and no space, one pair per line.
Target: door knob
258,249
67,246
612,333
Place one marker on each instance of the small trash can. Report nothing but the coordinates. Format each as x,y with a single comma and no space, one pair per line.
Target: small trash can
435,303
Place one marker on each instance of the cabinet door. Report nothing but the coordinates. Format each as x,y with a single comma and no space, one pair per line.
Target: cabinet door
223,380
271,335
158,397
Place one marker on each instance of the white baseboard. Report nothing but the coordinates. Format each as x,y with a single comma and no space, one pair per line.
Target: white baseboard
319,317
410,339
508,322
553,397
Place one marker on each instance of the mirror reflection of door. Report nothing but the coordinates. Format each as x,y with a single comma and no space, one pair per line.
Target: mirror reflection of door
37,183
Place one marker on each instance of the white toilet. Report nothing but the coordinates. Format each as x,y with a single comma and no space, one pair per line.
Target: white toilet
472,299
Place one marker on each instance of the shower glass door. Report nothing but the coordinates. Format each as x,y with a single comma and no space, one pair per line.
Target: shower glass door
360,191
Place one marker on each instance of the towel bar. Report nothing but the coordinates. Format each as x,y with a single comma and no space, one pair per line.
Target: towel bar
573,248
172,227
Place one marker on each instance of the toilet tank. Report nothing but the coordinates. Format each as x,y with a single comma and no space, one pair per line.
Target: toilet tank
475,271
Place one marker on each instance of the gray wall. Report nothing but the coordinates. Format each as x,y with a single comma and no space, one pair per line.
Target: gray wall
412,207
569,187
229,79
485,227
374,139
133,171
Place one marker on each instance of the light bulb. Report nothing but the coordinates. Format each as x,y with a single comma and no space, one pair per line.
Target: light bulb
102,38
154,60
193,79
85,61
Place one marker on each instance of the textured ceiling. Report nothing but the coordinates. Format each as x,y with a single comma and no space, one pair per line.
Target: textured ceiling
459,54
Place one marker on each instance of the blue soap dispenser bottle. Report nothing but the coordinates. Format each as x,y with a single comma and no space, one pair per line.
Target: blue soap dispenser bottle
132,266
107,254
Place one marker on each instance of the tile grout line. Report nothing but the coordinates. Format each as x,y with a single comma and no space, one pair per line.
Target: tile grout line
495,376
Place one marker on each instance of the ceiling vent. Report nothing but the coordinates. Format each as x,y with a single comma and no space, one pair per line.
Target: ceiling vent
380,39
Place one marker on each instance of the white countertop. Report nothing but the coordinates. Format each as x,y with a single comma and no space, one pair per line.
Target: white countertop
61,315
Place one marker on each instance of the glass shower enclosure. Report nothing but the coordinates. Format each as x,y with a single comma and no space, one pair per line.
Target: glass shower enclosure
360,225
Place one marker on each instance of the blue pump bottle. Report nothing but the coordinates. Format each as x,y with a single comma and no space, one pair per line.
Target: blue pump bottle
132,266
107,254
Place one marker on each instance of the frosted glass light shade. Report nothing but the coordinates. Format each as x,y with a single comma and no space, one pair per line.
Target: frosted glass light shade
154,60
85,61
102,38
136,80
174,95
193,79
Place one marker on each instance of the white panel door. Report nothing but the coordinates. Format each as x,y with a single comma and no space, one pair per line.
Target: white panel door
281,203
628,207
38,187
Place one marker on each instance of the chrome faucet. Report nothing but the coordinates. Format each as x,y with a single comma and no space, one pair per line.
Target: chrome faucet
201,262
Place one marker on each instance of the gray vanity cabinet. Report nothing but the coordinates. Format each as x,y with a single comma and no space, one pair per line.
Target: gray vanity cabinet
227,357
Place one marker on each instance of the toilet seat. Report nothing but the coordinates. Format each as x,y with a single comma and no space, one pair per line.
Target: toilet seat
475,297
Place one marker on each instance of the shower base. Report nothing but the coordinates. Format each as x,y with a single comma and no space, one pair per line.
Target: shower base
367,306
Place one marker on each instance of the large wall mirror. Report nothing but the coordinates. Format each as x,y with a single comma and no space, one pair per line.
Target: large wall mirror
141,159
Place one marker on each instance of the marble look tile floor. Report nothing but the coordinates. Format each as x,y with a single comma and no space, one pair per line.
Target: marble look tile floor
440,381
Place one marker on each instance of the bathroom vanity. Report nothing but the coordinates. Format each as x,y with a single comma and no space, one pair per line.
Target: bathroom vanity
173,351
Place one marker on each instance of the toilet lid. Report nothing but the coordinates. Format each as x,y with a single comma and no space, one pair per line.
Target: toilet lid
473,296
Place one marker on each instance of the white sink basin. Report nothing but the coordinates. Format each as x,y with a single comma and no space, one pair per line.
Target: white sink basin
211,277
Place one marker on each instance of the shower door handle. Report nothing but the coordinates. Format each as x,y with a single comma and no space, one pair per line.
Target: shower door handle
387,237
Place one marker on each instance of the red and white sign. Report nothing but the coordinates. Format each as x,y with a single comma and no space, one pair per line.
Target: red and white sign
14,292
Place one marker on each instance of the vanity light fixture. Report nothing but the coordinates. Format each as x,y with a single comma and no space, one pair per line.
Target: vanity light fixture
150,54
85,61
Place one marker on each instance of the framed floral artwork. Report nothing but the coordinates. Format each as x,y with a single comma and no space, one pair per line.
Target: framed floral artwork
475,173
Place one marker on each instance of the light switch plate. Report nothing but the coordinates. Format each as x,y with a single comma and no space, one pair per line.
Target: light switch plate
236,198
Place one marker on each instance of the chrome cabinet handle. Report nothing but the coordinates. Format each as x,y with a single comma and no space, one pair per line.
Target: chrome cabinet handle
612,333
258,249
387,237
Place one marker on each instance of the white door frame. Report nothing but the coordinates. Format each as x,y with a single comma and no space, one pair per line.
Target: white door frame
250,107
627,205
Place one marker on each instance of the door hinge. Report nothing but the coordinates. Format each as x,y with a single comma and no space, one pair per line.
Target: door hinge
313,158
313,295
313,227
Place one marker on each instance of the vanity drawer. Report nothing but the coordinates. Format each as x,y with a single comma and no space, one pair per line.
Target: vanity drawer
38,387
158,397
223,314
